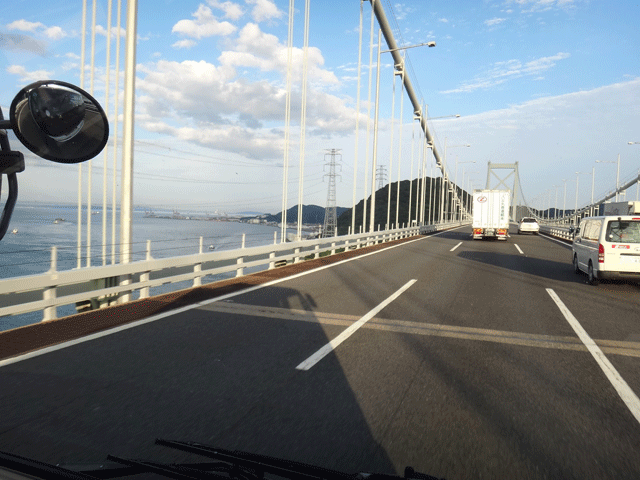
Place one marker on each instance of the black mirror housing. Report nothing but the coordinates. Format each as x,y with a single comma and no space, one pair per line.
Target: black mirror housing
59,121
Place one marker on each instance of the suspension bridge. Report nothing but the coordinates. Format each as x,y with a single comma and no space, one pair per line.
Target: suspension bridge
397,342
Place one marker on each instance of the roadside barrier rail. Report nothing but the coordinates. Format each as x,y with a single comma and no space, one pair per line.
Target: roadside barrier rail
96,287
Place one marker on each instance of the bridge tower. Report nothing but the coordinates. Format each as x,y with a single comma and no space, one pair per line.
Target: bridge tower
330,217
515,188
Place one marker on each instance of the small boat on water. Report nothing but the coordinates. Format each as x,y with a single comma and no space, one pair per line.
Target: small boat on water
14,231
212,247
58,220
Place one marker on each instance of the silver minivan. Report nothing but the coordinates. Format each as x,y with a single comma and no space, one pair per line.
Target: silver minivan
608,248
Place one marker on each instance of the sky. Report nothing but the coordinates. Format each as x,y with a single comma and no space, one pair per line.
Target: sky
551,84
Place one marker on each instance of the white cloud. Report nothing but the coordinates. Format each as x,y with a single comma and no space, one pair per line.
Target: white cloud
28,77
494,21
100,30
257,49
204,25
501,72
186,43
55,33
25,26
443,20
529,6
401,11
231,10
264,10
212,105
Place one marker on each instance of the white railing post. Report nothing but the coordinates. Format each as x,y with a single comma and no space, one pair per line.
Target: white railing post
333,248
144,277
316,251
240,261
51,313
272,255
297,258
197,268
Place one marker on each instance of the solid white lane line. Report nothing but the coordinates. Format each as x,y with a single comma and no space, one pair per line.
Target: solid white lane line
328,348
455,247
622,387
516,245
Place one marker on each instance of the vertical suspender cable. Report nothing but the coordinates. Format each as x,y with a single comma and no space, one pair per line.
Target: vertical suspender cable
355,154
126,204
82,60
90,162
442,185
115,139
303,116
366,164
423,212
420,197
413,138
393,112
400,141
432,213
106,156
374,164
287,126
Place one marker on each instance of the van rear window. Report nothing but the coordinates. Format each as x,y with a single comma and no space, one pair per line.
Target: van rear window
623,231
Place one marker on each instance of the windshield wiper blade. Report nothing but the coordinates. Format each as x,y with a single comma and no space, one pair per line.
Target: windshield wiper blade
276,466
172,470
231,464
39,469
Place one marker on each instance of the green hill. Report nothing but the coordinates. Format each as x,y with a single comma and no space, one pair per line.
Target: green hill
382,197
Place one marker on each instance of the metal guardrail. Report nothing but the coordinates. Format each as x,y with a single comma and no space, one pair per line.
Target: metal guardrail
46,292
558,232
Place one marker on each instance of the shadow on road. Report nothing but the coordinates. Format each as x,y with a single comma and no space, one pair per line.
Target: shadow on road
551,269
222,379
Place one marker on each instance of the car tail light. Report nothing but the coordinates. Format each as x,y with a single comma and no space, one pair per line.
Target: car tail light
600,253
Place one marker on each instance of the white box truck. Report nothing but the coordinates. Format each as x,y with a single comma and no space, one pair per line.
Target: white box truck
622,208
491,214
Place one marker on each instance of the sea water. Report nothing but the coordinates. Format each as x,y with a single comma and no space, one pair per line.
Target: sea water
39,227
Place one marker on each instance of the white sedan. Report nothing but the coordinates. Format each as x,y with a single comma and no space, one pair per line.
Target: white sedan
528,225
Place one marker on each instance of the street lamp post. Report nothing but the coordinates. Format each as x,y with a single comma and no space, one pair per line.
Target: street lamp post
455,181
638,183
593,180
444,174
575,211
577,174
617,173
564,203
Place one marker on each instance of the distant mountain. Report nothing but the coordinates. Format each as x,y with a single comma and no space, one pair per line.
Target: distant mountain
311,214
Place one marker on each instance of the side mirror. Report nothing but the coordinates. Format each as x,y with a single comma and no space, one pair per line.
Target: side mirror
59,121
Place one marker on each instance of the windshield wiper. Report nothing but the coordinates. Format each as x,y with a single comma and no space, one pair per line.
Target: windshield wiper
228,465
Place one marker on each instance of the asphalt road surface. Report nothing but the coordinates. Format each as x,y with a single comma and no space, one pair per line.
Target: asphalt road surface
461,358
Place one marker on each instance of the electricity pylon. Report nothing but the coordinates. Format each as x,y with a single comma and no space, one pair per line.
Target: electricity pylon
330,217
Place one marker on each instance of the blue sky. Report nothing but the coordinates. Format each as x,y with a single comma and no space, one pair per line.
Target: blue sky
551,84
